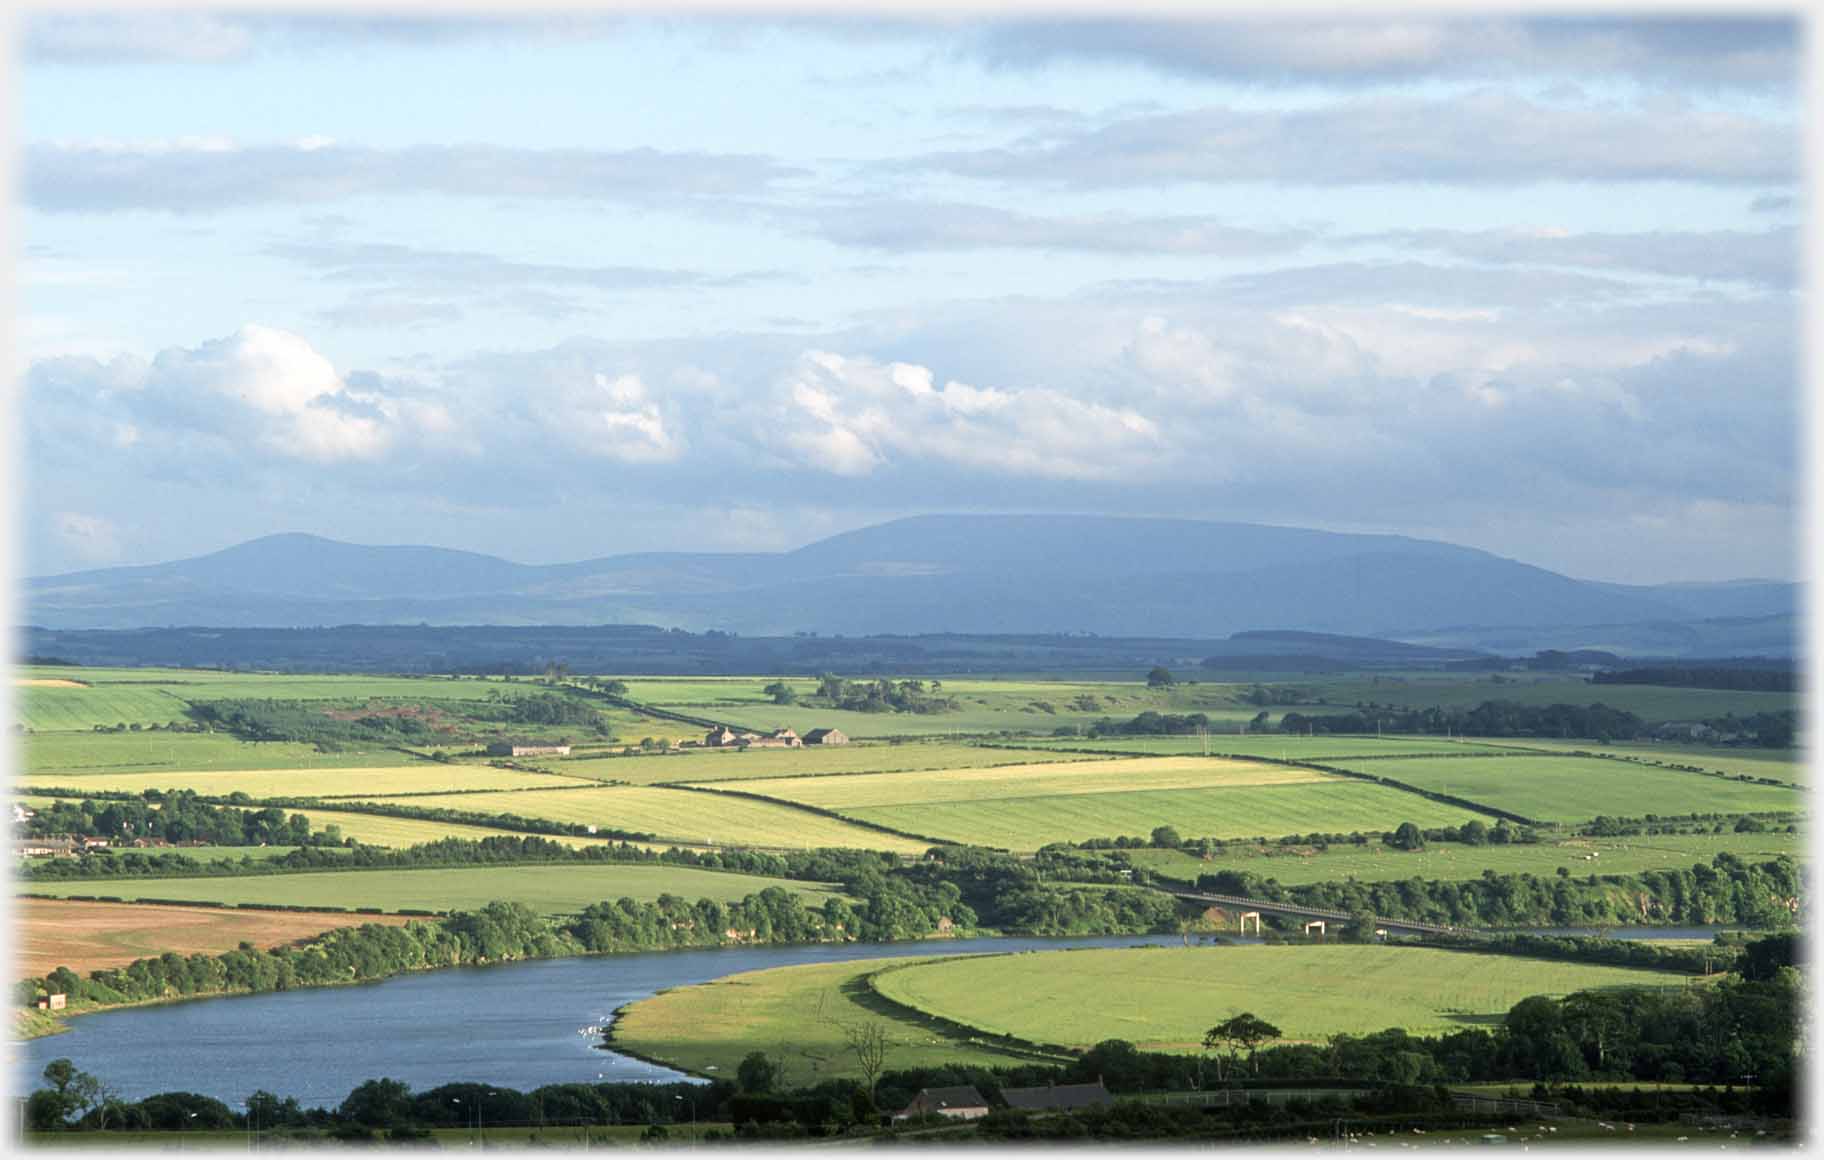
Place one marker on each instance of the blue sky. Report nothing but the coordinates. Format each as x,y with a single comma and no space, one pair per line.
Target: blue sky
560,288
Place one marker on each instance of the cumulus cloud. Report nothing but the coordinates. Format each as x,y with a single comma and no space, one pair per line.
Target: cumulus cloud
1490,136
196,177
852,415
258,394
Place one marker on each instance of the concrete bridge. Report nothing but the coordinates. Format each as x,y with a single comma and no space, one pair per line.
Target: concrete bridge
1266,906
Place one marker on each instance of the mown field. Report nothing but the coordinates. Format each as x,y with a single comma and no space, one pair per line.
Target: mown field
87,936
1165,998
1338,806
681,816
726,764
1788,765
85,753
1299,866
429,777
1653,703
551,889
1114,775
793,1014
1572,789
1286,746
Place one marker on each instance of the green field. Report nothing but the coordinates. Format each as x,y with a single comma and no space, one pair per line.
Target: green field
1653,703
1302,865
681,816
1285,746
1164,998
555,889
1573,789
793,1014
428,777
986,706
1788,765
1269,811
1114,775
84,753
723,764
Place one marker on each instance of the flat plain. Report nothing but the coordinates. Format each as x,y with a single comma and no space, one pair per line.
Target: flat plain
1026,823
679,815
1573,789
794,1014
1377,862
1165,998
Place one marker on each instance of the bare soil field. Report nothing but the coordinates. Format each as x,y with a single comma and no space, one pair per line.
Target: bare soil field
86,936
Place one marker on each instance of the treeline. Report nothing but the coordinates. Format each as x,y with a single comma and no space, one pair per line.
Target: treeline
1151,723
305,721
1489,719
178,816
389,808
882,696
1757,680
1728,889
538,709
1769,730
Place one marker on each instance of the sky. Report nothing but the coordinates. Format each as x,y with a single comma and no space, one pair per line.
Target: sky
559,287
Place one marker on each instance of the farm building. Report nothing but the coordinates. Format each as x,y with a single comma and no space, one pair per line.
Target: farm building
777,739
826,737
954,1103
44,847
526,749
722,737
1059,1097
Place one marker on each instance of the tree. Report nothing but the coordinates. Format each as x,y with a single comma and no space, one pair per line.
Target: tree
868,1041
378,1102
1407,837
757,1074
1246,1031
1166,838
1160,678
781,693
72,1093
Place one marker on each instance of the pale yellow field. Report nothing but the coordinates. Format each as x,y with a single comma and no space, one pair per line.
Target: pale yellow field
680,816
1025,781
367,782
46,683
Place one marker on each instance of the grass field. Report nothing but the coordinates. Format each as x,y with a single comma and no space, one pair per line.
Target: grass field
1653,703
681,816
1298,866
1788,765
86,936
1116,775
724,764
1332,806
429,777
792,1014
84,753
1293,747
553,889
1570,789
1164,998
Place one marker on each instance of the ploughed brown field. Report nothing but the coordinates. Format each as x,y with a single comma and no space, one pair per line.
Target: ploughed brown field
86,936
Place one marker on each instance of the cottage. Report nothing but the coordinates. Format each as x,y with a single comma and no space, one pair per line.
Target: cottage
1059,1097
526,749
94,843
826,737
720,737
952,1103
777,739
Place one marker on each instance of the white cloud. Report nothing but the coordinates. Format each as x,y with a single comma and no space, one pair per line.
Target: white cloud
91,539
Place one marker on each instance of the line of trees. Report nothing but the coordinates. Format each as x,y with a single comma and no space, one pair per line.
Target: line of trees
1489,719
178,816
1757,680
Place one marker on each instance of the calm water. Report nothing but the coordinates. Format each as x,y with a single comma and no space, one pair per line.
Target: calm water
516,1024
519,1024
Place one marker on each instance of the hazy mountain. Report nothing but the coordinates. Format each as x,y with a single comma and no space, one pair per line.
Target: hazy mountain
974,574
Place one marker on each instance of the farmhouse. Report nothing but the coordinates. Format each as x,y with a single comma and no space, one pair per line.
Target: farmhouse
722,737
826,737
953,1103
1060,1097
526,749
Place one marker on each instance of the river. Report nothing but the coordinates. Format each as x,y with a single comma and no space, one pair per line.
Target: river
519,1024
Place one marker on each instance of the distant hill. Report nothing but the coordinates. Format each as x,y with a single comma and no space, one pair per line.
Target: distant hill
926,574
